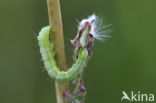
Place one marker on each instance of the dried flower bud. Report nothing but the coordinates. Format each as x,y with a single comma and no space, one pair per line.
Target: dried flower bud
67,95
82,90
88,29
81,101
75,81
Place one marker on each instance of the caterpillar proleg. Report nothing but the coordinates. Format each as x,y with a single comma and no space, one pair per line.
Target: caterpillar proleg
47,53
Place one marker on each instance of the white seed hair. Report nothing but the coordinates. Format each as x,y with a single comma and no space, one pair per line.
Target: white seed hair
99,29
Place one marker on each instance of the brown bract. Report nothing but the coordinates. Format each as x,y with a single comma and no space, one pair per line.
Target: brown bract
76,41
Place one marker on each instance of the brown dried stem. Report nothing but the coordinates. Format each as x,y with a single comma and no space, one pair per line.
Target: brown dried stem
55,22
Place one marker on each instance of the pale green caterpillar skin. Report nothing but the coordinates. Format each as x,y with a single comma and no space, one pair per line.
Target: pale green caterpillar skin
47,53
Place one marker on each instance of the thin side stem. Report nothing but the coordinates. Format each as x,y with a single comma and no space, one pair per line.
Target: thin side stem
55,22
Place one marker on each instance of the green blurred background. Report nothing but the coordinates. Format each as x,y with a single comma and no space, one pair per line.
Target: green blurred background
127,61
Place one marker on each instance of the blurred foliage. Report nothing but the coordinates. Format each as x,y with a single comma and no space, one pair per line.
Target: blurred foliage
127,61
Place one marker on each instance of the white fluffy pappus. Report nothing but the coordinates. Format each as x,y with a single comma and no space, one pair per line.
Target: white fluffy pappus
99,29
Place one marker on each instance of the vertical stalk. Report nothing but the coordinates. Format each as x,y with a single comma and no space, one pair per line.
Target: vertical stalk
55,22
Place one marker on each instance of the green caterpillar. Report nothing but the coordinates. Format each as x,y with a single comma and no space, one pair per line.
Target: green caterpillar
89,28
47,53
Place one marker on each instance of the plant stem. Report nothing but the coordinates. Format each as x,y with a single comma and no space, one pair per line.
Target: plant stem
55,22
